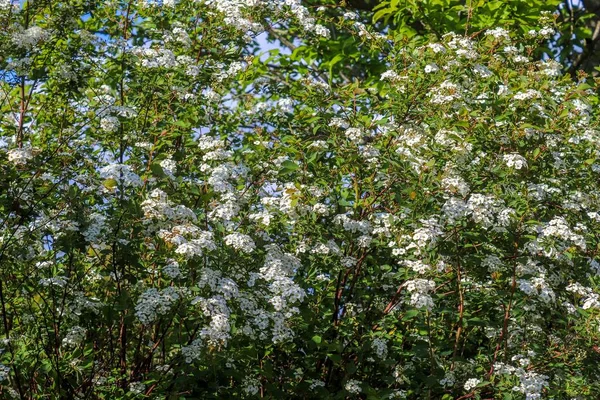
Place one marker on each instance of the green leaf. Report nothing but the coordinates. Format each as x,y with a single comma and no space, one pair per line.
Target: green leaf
477,321
289,166
336,358
110,183
157,170
410,314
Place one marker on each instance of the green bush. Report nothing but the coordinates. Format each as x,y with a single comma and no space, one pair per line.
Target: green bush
184,218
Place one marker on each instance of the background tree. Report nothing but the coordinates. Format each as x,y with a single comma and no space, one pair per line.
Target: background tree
572,44
183,216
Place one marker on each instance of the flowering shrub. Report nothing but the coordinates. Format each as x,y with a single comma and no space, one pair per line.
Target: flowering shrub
183,218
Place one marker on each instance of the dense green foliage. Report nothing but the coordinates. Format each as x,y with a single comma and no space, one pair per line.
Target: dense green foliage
577,31
185,217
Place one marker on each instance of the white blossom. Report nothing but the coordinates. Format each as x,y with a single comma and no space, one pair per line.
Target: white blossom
353,386
471,383
241,242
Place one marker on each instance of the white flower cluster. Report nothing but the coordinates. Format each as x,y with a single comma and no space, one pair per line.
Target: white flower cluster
351,225
235,10
154,303
172,270
178,34
316,384
437,47
155,58
220,176
355,135
169,167
109,123
137,387
481,208
241,242
589,298
321,209
224,286
529,94
338,123
97,227
20,156
448,380
537,286
431,68
419,290
218,331
214,148
75,336
398,394
531,383
251,385
353,386
279,269
551,68
4,372
418,266
471,384
390,75
559,228
178,234
462,46
157,206
515,54
121,173
455,184
193,351
262,217
541,191
233,70
329,248
498,33
308,23
195,247
60,281
44,264
515,161
81,303
30,37
446,92
454,209
109,111
492,263
380,347
422,237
